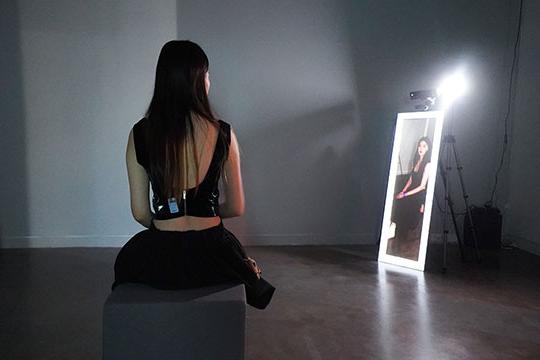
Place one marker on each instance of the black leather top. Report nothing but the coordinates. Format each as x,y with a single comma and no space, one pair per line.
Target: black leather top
202,203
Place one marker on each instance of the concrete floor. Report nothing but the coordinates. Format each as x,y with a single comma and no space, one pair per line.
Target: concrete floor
332,302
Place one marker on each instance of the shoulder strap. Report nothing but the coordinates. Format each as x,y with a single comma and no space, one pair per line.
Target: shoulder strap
226,131
139,141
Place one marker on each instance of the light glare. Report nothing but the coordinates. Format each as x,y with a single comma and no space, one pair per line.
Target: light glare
452,87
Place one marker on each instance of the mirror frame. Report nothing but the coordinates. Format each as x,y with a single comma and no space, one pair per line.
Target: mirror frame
402,118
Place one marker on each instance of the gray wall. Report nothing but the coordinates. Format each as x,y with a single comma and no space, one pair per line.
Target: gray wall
78,75
13,188
311,87
523,225
283,76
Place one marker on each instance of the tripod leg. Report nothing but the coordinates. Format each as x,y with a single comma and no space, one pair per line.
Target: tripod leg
473,231
467,207
442,170
445,237
456,229
450,202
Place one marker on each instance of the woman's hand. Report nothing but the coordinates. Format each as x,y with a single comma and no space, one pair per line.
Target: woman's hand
400,195
253,264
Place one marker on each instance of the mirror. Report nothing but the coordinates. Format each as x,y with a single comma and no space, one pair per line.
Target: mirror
411,183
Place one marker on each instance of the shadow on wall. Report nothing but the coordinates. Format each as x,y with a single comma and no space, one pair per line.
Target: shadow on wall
302,180
13,181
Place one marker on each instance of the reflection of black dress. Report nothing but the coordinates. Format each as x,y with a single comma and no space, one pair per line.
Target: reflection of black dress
406,213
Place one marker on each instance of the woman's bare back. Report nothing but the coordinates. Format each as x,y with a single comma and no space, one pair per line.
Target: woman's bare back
205,135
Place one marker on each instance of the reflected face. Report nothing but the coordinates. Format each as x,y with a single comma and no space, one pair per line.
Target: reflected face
422,148
207,82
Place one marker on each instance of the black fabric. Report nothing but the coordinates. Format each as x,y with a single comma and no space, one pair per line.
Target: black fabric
202,201
406,213
140,130
189,259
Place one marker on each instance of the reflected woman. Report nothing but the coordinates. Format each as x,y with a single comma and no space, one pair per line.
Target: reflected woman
409,204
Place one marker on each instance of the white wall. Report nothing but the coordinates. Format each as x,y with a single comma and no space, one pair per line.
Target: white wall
86,72
523,225
311,87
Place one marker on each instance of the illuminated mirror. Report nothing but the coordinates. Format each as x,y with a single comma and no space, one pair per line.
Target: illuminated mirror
411,183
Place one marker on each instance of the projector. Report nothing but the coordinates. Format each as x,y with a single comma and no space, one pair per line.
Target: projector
423,94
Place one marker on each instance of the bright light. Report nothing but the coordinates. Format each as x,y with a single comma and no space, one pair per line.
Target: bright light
452,87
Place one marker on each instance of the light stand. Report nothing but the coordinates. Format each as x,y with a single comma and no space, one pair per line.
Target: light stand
449,145
451,88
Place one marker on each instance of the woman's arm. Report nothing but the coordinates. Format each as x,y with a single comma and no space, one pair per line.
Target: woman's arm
423,183
232,183
407,184
400,194
138,186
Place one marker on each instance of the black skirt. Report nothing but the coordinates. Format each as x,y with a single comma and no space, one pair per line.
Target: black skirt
406,213
172,260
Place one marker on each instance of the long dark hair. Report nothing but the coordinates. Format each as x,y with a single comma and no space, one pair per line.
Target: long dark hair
179,93
427,155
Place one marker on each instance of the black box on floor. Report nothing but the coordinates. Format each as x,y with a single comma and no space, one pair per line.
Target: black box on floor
488,223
